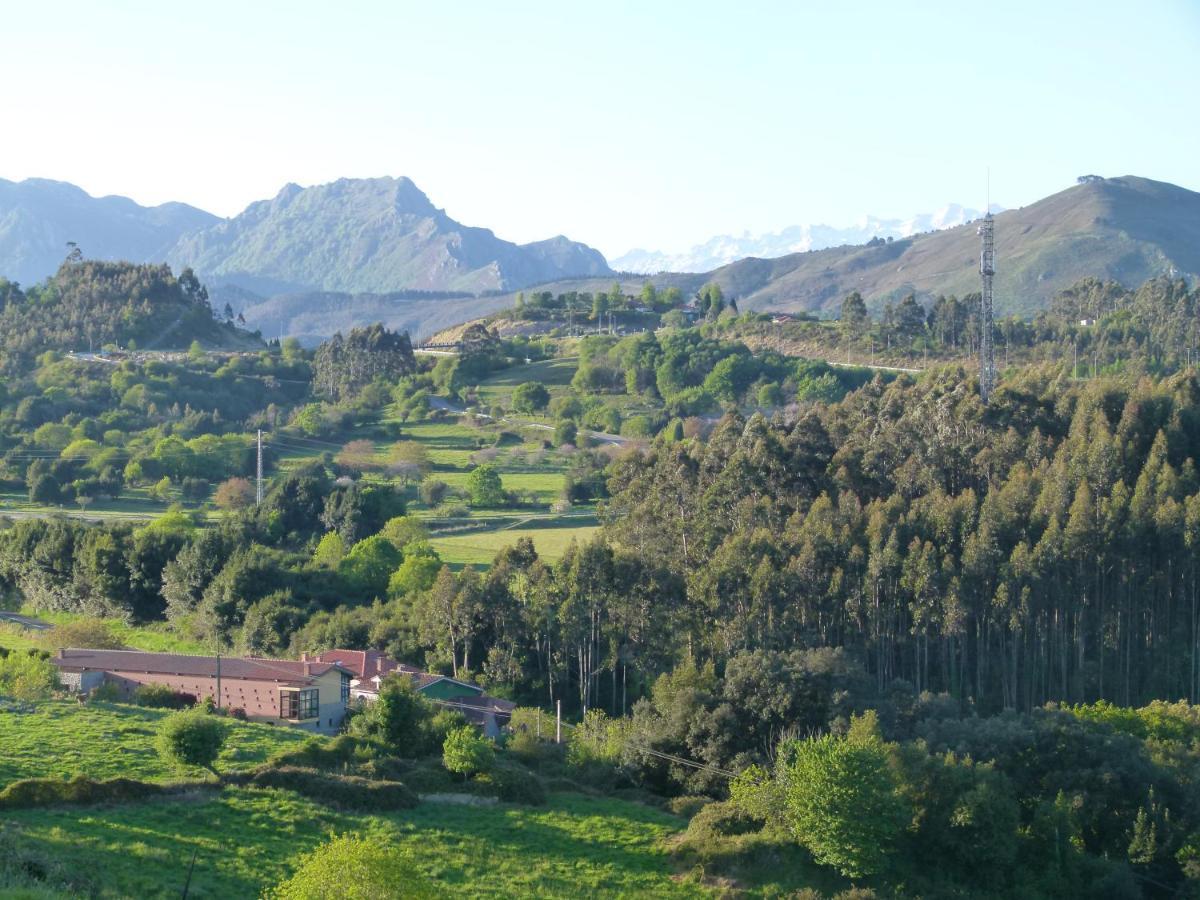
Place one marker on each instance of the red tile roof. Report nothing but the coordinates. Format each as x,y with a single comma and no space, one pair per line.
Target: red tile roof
365,663
288,671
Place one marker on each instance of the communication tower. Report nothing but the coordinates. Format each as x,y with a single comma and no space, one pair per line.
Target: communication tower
987,268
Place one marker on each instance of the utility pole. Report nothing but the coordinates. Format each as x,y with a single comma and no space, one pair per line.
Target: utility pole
987,268
258,482
558,721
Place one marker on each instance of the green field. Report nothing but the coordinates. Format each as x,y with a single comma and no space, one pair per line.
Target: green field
476,548
247,840
555,374
104,740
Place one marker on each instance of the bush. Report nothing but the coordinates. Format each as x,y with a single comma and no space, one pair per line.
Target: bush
485,487
95,634
318,753
345,791
107,692
466,752
431,779
723,818
27,676
433,491
687,806
565,432
401,720
161,696
514,784
191,739
29,793
353,867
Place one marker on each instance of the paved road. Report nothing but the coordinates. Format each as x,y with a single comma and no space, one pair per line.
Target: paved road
25,621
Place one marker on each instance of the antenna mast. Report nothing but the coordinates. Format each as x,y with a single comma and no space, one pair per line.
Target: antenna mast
258,480
987,268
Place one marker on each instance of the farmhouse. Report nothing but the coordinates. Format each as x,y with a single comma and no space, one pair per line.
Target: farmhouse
371,667
301,693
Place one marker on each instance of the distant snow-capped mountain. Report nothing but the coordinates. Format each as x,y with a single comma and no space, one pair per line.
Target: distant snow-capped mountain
727,248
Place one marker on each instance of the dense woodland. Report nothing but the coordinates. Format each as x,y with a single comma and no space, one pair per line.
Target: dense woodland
803,570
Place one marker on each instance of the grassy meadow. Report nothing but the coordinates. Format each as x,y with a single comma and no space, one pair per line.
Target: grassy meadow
247,839
103,740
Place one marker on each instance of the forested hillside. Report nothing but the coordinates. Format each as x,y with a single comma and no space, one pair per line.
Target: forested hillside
814,589
89,305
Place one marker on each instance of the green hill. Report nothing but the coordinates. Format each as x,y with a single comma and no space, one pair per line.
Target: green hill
89,304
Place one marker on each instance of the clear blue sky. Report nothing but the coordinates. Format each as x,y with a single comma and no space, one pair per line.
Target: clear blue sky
620,123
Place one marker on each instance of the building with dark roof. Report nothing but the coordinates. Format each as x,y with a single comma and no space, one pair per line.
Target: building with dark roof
300,693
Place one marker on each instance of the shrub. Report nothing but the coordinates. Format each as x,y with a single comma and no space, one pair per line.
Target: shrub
565,432
107,692
430,779
318,753
524,740
92,633
842,800
353,867
687,806
161,696
454,511
466,752
433,491
27,676
530,397
400,720
30,793
191,739
514,784
723,818
346,791
485,487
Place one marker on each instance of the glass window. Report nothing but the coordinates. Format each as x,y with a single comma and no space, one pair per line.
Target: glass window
298,704
345,688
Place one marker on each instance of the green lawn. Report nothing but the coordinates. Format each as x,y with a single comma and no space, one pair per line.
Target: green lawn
104,740
248,839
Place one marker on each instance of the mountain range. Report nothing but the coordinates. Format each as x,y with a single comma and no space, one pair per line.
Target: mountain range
1126,229
353,235
726,248
314,260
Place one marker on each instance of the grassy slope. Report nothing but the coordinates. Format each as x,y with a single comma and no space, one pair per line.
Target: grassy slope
247,840
104,740
156,637
479,548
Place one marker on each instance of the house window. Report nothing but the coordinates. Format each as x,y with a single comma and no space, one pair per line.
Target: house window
345,688
298,704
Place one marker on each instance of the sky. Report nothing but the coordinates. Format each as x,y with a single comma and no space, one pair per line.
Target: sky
621,124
